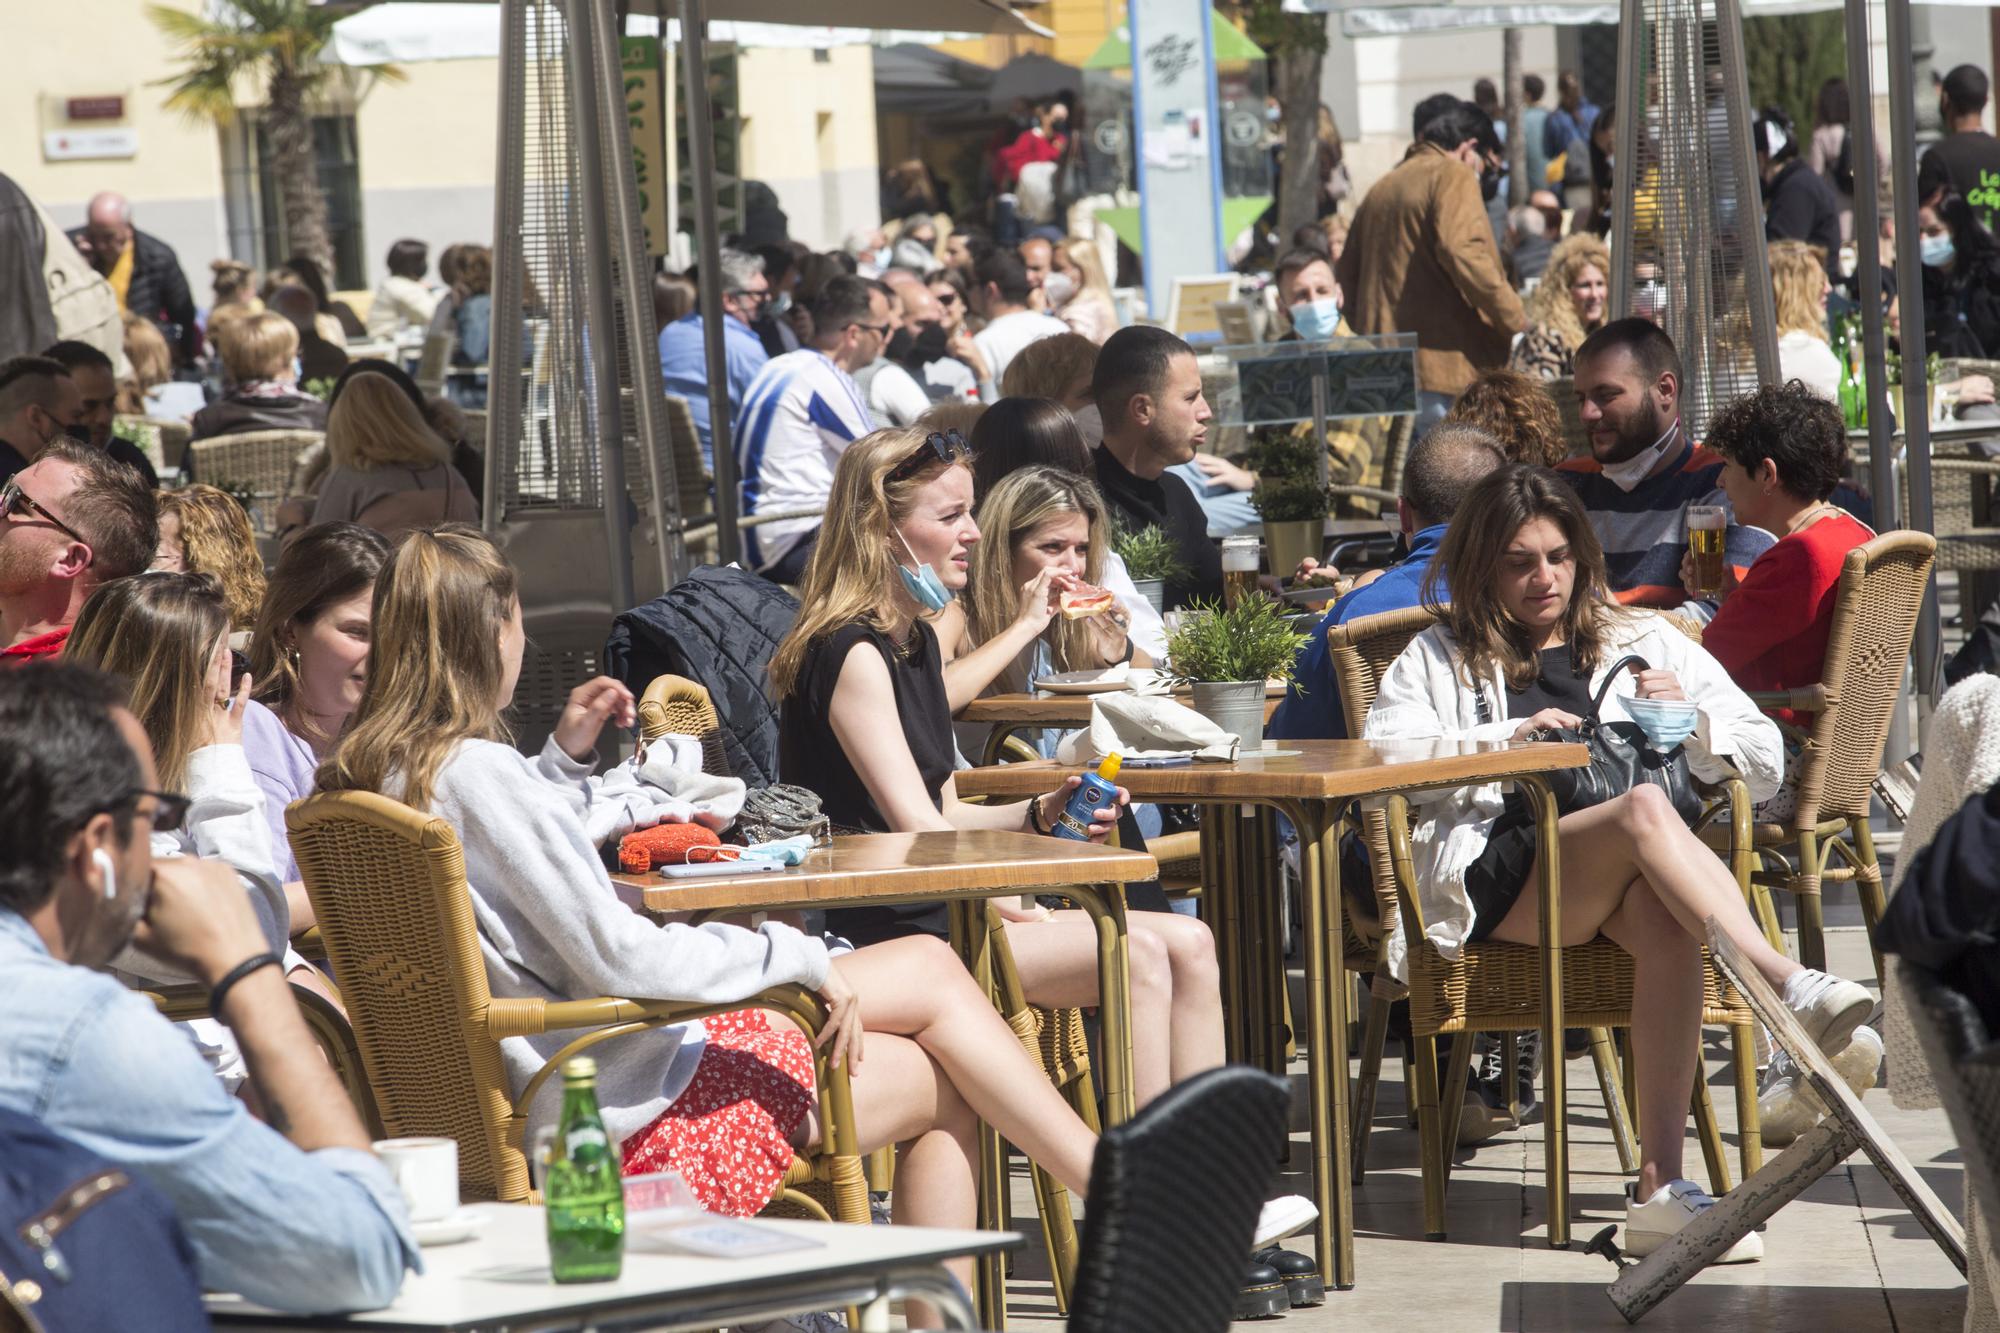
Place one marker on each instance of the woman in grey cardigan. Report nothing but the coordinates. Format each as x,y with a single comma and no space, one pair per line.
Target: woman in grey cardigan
722,1101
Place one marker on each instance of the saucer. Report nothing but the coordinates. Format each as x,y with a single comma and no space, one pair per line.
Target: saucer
450,1229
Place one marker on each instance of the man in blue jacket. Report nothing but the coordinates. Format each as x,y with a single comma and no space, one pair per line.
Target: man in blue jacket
1443,466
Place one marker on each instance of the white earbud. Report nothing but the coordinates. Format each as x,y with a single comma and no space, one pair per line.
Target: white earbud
108,870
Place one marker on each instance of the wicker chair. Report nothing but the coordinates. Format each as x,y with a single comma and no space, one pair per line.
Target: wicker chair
259,462
1496,987
1874,617
388,886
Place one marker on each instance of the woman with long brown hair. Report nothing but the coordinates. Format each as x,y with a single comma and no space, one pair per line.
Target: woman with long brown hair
1529,637
725,1101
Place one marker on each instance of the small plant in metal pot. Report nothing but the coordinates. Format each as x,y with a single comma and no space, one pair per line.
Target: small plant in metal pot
1225,656
1151,559
1290,498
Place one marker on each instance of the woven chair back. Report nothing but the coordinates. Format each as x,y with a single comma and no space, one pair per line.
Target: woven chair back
677,706
261,462
388,886
1362,650
1874,618
690,475
1576,440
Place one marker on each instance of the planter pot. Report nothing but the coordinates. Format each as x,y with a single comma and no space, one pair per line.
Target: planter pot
1290,542
1154,591
1237,706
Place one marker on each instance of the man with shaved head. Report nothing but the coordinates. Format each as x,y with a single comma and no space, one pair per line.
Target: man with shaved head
142,269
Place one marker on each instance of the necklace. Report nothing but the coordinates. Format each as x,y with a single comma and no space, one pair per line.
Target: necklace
1810,515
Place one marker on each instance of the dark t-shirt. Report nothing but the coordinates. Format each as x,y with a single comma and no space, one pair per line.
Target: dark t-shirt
810,755
1970,161
1168,503
1556,685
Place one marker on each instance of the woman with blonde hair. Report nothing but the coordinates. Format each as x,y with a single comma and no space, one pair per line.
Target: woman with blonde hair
390,471
1079,293
725,1101
1058,368
259,360
1567,306
204,530
1799,287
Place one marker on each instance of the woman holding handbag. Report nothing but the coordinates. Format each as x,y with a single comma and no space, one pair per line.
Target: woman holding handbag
1533,641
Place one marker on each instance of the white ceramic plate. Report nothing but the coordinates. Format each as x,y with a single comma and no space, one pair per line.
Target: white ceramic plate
461,1225
1107,681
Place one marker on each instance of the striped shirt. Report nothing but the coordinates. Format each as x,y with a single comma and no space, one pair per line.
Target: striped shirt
1644,530
798,416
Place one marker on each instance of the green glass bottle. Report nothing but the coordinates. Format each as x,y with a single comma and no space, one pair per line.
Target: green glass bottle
582,1190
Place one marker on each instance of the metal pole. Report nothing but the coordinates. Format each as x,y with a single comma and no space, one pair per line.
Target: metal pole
1910,298
601,330
503,398
708,255
635,289
1632,35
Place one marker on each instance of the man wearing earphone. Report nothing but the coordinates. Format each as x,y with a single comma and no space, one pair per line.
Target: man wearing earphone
293,1211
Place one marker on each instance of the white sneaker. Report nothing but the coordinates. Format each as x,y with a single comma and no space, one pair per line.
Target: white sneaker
1649,1225
1284,1216
821,1322
1787,1106
1827,1007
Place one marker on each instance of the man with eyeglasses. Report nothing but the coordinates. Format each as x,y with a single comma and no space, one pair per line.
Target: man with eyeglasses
684,348
293,1211
71,520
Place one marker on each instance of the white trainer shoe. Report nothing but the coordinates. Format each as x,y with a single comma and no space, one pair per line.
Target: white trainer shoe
1787,1106
1827,1007
1286,1215
1651,1224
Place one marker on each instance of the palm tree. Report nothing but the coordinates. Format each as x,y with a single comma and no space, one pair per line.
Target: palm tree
280,44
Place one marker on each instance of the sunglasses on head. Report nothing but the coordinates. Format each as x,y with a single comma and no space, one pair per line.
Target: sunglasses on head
938,447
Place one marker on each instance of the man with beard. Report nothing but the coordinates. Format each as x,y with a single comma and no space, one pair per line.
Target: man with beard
69,521
1147,386
294,1211
1643,471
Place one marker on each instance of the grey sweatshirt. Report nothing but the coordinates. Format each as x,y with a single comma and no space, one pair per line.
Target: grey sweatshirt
552,927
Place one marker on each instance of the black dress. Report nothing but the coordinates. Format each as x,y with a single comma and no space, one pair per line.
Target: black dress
1496,878
810,755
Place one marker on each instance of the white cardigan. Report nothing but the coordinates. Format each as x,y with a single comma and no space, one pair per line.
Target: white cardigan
1424,696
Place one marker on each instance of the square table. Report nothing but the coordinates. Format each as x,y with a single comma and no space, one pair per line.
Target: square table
1309,782
500,1280
959,868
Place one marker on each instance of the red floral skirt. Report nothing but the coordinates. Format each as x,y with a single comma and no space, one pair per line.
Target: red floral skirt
729,1134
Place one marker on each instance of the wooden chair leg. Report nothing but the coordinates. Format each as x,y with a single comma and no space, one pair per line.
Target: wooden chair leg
1510,1058
1430,1134
1409,1086
1713,1154
881,1168
1766,911
1868,883
1628,1071
1749,1127
1373,1039
1458,1071
1805,887
1604,1058
1059,1233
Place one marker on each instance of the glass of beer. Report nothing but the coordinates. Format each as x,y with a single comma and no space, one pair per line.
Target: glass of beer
1239,569
1708,526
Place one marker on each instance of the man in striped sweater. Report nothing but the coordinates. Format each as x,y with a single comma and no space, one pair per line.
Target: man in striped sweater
1644,470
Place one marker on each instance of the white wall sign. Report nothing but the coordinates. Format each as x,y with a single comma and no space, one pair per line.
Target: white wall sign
69,145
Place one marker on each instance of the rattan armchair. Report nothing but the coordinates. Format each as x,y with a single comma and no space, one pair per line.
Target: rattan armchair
257,464
388,886
1875,610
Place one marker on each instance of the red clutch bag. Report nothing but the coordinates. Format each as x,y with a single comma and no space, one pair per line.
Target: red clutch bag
662,845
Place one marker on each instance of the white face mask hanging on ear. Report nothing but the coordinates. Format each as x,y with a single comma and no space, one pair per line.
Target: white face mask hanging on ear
1627,475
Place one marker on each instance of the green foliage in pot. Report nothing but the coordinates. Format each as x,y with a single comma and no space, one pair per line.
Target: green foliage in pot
1149,553
1288,487
1251,641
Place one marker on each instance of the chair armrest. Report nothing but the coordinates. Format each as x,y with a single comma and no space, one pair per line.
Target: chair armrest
1806,699
178,1004
310,944
1396,814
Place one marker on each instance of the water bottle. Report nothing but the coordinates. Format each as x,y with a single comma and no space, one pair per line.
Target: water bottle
583,1192
1098,792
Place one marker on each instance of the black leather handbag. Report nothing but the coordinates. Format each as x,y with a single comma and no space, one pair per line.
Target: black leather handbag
1621,758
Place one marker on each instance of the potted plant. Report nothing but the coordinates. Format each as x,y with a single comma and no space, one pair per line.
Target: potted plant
1225,656
1290,497
1152,560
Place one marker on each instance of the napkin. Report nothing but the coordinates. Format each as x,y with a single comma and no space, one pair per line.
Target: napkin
1145,726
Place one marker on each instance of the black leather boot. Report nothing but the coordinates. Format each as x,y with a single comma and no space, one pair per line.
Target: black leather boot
1263,1293
1303,1284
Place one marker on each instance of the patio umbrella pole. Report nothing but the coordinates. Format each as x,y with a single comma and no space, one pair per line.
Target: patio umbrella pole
1910,297
708,255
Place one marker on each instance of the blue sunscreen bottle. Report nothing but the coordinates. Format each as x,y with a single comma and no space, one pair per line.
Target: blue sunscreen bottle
1098,792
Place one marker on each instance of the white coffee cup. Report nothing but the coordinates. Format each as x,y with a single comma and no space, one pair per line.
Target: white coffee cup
426,1170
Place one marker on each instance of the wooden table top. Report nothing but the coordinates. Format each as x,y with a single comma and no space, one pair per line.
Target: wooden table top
886,868
1320,770
1049,710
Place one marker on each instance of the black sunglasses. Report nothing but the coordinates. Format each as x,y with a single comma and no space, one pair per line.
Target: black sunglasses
938,447
169,811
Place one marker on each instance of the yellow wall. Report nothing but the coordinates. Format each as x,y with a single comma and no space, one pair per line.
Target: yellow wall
1080,27
809,133
455,103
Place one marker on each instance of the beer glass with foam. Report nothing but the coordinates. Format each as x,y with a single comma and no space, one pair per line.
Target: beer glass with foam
1708,527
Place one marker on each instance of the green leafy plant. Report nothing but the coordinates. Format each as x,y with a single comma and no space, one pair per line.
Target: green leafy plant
1250,641
1149,553
1288,487
321,388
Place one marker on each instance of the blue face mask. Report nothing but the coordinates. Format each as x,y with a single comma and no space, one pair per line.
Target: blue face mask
1935,251
924,586
1316,321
